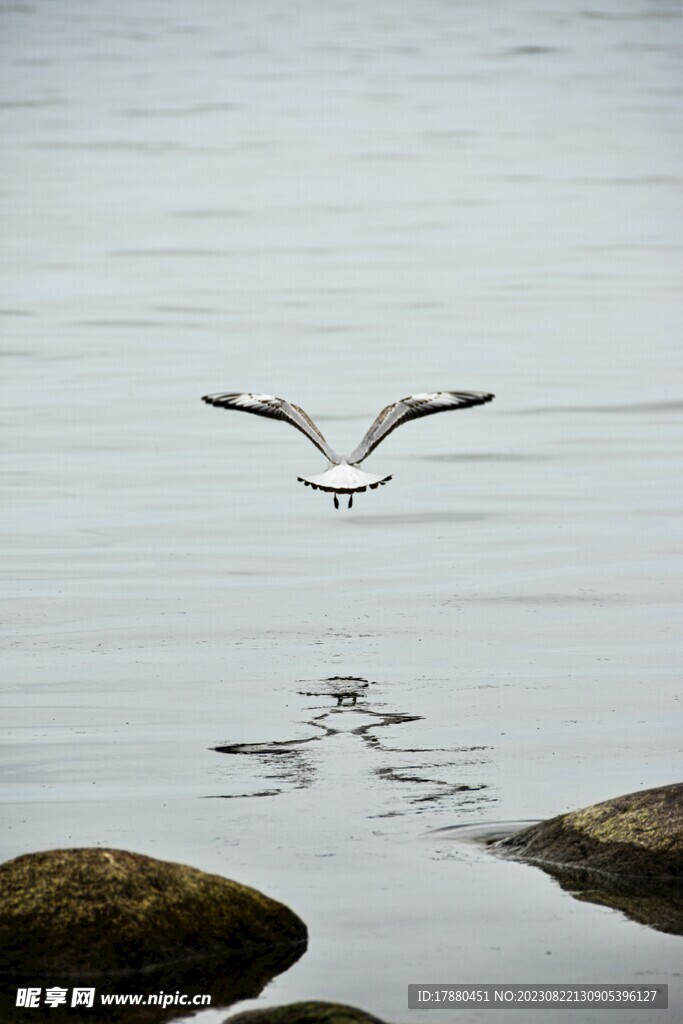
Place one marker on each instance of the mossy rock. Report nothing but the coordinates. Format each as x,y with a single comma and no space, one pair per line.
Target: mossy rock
635,836
305,1013
625,853
96,912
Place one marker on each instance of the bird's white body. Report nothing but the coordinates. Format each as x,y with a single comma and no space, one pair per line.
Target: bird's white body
343,478
342,475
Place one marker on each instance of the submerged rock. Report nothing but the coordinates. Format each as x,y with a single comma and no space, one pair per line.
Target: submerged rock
305,1013
638,835
625,853
98,912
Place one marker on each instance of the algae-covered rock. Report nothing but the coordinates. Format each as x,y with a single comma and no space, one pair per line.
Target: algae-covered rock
92,912
635,836
305,1013
625,853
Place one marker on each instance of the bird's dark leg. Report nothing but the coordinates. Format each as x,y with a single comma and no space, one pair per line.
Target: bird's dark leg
336,501
350,504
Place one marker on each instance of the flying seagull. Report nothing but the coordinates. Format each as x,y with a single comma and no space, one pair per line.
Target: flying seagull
342,475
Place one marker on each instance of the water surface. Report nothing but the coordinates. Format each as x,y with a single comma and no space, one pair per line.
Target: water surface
343,204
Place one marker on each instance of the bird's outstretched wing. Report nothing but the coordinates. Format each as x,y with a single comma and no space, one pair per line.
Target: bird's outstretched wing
411,408
275,409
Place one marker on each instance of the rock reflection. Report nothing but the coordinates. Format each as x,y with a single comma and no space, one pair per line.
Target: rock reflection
655,903
226,980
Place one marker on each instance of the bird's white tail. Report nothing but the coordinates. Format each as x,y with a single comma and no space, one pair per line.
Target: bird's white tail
344,479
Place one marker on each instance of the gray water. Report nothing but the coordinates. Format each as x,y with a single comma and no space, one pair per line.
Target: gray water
342,204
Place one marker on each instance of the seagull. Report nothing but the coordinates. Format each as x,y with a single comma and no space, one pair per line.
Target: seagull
343,475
